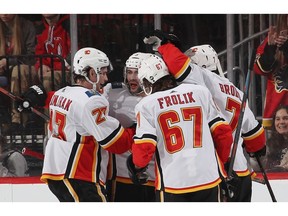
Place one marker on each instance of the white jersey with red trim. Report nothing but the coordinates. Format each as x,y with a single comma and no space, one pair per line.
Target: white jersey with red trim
79,125
229,99
122,107
178,124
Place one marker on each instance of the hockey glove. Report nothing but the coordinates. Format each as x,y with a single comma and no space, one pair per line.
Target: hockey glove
259,153
34,96
158,38
138,176
230,186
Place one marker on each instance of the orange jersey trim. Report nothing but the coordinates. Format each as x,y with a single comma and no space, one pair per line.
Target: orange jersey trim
194,188
46,176
128,181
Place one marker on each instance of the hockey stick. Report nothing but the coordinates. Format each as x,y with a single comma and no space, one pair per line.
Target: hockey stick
241,116
31,153
15,98
266,179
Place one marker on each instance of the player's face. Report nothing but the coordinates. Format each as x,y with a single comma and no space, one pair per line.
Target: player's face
132,80
281,122
103,78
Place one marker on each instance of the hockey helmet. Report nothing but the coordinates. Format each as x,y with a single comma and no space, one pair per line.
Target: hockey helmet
90,57
205,56
134,62
152,69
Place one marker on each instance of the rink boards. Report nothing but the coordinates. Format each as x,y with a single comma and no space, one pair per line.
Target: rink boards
31,189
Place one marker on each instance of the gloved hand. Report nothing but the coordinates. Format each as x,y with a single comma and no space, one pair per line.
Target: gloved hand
138,176
34,96
259,153
158,38
230,185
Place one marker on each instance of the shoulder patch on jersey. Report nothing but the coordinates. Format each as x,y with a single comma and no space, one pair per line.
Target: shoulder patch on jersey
116,85
91,93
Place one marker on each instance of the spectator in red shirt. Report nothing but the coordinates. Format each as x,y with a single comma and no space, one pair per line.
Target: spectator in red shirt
271,61
53,37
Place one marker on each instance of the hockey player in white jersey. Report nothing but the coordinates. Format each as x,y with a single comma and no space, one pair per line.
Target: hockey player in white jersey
76,160
227,97
181,125
123,98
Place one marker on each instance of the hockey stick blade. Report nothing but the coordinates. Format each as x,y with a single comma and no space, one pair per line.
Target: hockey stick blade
15,98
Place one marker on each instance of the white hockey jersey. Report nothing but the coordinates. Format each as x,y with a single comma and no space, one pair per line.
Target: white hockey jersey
181,126
122,107
80,126
226,96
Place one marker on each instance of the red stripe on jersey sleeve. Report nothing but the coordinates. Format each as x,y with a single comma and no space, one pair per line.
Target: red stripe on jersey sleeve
122,143
256,142
175,60
143,153
223,139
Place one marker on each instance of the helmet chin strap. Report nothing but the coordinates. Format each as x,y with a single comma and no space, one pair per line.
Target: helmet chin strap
94,84
147,92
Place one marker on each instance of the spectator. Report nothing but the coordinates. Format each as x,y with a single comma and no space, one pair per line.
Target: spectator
180,124
53,37
277,144
271,61
12,162
17,37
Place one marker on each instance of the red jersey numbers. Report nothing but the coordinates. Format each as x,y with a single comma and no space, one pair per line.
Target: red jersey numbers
173,134
60,121
234,107
158,66
99,113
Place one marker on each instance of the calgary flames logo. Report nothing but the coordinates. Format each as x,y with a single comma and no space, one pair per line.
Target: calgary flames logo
281,79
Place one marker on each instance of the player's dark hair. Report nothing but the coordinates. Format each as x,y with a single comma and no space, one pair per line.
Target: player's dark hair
80,77
165,83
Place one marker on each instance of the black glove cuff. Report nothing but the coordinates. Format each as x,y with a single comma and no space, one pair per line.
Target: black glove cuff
138,176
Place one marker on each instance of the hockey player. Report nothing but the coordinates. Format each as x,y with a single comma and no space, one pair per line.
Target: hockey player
123,98
76,160
226,96
180,124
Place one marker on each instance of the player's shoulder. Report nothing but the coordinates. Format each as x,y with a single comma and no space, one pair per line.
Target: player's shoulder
117,85
192,87
79,93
